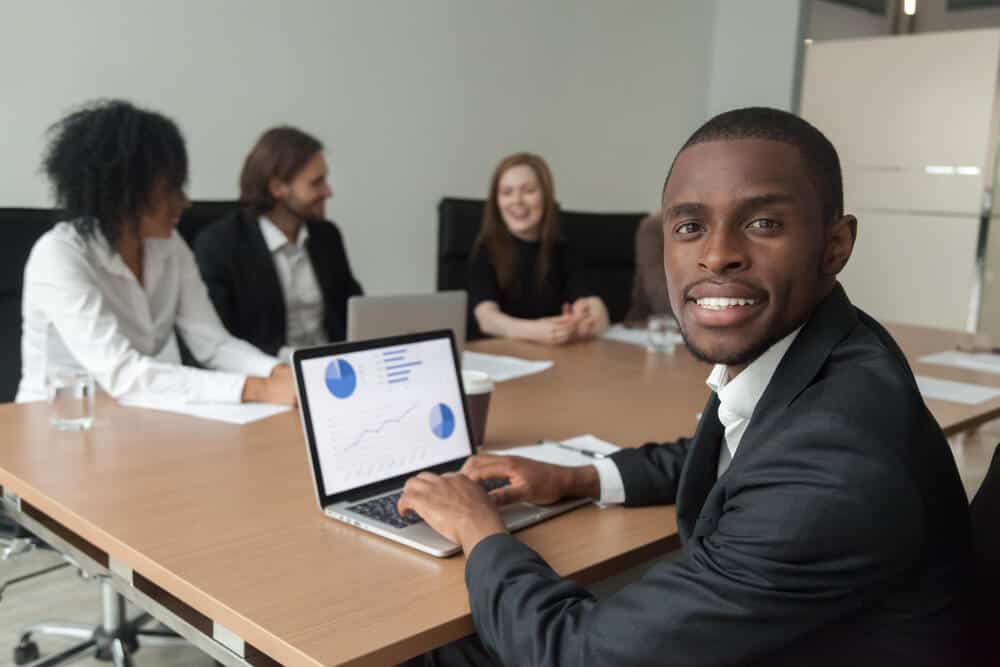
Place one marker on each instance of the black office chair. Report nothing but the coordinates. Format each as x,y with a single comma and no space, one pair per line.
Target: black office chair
201,214
19,228
985,511
606,242
116,637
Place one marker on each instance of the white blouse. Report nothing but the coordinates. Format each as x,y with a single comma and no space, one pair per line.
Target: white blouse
84,308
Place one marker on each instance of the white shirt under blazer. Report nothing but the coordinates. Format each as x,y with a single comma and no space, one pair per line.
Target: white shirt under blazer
299,288
84,308
738,399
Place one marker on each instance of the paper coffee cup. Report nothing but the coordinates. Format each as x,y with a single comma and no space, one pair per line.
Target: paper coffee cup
478,388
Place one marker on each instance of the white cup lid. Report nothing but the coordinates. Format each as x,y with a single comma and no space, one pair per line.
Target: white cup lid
477,382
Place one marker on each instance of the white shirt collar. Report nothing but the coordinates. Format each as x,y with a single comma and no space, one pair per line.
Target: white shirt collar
110,258
275,239
741,394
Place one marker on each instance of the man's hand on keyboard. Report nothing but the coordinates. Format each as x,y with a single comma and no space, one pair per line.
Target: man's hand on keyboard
454,506
532,481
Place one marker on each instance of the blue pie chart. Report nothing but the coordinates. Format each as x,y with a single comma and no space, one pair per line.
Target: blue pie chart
442,421
340,378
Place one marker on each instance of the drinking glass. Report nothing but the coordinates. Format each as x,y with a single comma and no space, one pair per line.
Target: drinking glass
662,331
71,399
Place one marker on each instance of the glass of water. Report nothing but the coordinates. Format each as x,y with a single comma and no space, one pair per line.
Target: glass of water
662,331
71,399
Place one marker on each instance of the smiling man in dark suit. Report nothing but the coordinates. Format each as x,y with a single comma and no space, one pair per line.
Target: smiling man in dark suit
276,270
820,509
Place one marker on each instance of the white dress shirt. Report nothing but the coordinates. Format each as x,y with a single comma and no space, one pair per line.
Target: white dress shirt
303,298
83,308
738,397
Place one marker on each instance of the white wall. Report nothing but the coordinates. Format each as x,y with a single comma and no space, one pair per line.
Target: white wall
415,100
756,48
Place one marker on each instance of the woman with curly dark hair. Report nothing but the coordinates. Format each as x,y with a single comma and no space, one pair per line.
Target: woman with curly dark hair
524,281
105,290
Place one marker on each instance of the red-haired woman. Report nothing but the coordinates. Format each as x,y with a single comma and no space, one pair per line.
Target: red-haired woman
524,282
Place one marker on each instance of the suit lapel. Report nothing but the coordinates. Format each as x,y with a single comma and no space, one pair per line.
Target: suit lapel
314,246
699,472
832,321
265,276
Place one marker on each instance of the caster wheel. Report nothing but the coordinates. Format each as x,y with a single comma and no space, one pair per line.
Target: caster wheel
25,652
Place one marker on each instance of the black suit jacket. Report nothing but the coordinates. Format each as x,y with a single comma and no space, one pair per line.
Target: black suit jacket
243,283
838,535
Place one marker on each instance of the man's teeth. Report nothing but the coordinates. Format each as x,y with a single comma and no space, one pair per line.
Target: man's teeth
720,302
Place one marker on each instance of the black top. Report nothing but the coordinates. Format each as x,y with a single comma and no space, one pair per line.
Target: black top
839,534
527,299
239,272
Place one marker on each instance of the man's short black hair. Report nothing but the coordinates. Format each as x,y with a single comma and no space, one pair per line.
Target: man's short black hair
104,161
817,152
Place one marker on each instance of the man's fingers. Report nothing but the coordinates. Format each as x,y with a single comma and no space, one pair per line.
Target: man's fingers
416,491
509,494
477,461
487,470
405,504
493,467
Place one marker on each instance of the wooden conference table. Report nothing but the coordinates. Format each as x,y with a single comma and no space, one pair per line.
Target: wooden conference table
215,529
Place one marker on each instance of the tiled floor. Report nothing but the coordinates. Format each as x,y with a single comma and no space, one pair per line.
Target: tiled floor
63,595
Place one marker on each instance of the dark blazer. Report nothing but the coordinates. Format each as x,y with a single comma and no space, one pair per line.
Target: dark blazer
238,269
838,535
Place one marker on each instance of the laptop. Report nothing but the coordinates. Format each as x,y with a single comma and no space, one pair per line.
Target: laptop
378,316
376,412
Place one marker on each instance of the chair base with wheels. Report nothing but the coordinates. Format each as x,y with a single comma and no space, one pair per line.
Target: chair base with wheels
114,640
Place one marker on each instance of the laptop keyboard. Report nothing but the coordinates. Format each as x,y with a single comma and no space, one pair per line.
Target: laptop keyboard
383,508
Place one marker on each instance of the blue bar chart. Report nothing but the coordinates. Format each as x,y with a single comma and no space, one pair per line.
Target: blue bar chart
398,364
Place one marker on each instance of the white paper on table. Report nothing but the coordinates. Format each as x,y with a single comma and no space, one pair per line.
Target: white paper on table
989,363
549,453
231,413
622,334
956,392
502,368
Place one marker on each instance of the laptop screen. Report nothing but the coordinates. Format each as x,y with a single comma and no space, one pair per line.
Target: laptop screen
384,411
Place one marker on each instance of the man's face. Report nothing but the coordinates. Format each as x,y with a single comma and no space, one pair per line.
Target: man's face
746,252
306,193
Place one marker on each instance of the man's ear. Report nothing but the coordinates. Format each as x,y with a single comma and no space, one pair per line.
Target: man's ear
278,190
840,237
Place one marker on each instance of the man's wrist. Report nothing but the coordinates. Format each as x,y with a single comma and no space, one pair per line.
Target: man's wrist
583,482
479,531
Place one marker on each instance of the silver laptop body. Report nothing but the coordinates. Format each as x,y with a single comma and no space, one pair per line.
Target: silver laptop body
376,412
394,315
